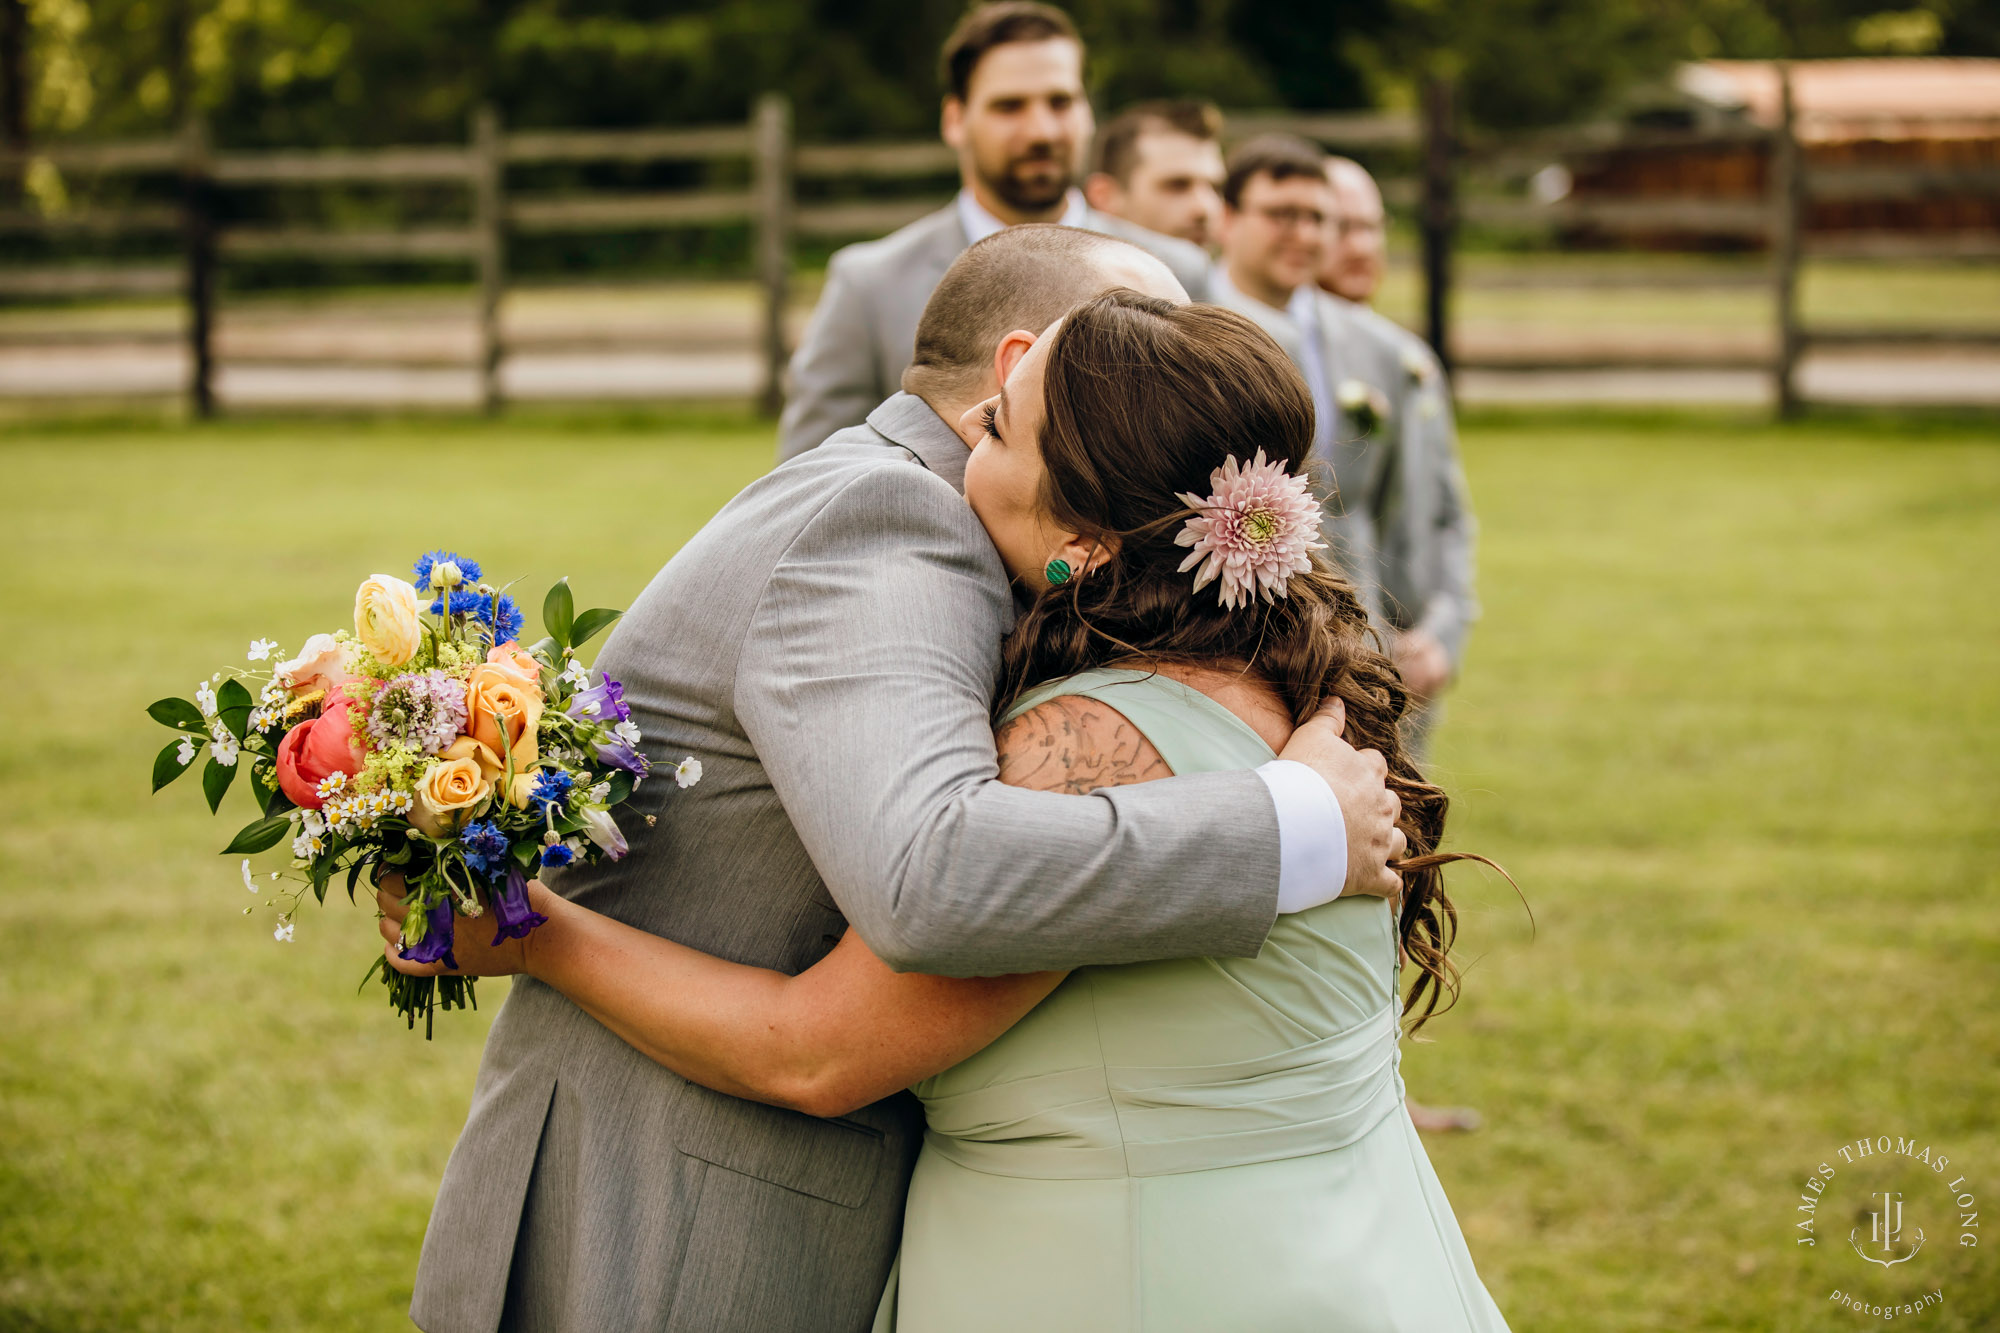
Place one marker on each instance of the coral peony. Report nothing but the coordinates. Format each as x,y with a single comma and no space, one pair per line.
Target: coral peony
318,748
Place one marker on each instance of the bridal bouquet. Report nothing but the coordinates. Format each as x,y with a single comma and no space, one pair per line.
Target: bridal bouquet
428,743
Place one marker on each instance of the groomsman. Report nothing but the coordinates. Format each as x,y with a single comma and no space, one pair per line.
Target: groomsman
1426,528
1159,165
1276,210
1358,246
1016,113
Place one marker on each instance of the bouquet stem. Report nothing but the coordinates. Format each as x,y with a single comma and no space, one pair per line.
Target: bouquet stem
414,996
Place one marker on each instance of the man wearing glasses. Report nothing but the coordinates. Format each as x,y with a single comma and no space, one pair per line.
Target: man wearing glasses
1276,210
1425,531
1357,250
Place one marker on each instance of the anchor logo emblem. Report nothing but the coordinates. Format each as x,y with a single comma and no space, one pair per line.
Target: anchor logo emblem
1885,1231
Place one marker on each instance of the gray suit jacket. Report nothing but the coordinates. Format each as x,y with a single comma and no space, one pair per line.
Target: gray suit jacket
864,329
827,646
1425,524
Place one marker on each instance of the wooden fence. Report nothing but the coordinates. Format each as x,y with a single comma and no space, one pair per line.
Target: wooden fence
1449,188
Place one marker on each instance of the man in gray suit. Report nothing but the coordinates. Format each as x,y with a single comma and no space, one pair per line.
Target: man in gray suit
1275,210
1159,166
1426,526
827,646
1016,113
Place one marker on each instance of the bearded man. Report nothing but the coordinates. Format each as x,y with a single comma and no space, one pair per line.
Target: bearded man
1016,113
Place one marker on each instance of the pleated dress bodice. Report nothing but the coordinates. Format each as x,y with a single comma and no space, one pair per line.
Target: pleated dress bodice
1190,1145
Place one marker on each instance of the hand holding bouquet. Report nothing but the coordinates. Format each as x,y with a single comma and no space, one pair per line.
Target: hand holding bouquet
429,743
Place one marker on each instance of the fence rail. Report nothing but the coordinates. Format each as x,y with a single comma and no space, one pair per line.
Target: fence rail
766,202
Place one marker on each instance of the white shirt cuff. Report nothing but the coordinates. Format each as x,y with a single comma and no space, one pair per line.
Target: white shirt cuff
1312,836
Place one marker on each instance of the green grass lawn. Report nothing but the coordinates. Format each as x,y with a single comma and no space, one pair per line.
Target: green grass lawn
1731,719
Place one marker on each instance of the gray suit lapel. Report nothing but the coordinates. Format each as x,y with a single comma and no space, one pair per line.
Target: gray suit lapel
908,422
947,239
1348,351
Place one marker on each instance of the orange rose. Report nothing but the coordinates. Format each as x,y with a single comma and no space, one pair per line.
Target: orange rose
447,795
509,654
501,713
494,769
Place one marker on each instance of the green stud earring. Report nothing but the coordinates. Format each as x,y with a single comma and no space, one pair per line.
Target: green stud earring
1058,571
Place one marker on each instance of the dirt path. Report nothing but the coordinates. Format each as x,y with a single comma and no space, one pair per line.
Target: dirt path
638,343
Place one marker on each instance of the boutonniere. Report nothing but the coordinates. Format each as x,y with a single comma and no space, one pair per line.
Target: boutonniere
1416,365
1363,404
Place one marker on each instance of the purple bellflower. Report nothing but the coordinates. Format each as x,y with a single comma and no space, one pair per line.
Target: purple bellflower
602,703
511,910
435,946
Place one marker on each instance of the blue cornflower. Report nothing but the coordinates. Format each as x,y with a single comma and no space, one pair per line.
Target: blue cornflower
468,568
505,622
464,602
557,854
485,848
552,786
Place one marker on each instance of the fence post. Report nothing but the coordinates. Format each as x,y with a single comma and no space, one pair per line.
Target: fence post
13,98
1787,207
198,225
1439,213
773,170
489,174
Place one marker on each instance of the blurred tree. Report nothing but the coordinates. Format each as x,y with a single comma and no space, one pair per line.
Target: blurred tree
13,73
359,71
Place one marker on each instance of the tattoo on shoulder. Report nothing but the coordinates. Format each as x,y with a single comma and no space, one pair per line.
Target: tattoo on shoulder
1075,745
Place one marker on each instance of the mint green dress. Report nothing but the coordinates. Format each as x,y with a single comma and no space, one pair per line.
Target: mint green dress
1200,1145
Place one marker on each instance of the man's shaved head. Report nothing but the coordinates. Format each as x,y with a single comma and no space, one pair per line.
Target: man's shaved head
1025,277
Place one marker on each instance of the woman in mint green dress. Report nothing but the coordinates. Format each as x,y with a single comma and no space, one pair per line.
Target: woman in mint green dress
1202,1144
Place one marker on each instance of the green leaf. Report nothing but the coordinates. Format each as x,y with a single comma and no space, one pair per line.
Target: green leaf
260,836
169,766
621,787
592,623
381,962
215,780
178,714
524,853
232,705
558,612
274,800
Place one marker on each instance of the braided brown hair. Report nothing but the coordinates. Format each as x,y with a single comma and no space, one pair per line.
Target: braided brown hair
1143,399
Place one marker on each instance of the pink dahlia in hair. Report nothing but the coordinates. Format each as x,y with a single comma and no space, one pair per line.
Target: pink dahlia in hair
1253,534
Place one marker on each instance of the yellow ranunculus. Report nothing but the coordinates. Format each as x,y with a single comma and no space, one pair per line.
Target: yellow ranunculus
385,619
447,795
